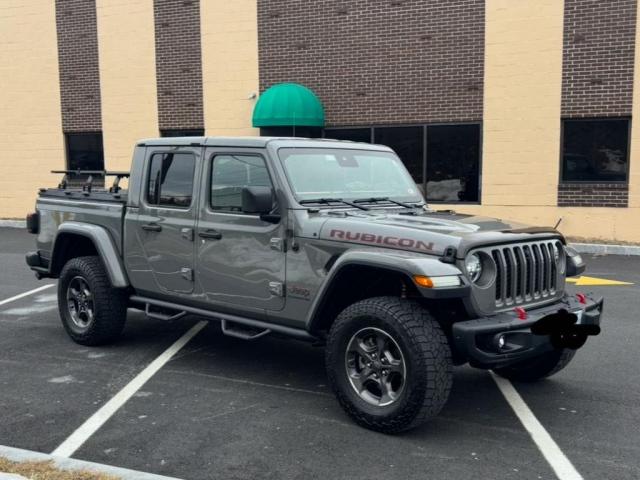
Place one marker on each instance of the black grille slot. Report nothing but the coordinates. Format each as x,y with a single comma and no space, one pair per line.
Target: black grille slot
496,258
554,267
509,277
519,271
525,273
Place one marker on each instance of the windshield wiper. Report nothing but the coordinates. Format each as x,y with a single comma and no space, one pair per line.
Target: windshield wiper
328,201
384,199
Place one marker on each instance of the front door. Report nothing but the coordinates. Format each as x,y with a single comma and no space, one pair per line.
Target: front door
240,258
166,220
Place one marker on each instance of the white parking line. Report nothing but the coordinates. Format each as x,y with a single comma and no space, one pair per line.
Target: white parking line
25,294
560,464
93,423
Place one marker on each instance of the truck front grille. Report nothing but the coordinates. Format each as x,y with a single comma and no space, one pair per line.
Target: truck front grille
526,272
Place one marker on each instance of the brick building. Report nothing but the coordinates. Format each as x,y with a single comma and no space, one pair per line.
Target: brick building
511,109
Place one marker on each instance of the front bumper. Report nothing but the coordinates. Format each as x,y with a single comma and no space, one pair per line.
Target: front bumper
504,339
38,264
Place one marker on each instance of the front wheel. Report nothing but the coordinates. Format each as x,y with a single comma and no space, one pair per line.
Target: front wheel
537,368
91,310
389,364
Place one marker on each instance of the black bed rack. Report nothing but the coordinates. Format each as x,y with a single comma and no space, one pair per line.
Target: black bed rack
87,186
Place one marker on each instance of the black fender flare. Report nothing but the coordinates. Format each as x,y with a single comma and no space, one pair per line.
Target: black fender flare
398,262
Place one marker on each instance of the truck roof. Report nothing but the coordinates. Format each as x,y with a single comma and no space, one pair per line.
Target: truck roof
259,142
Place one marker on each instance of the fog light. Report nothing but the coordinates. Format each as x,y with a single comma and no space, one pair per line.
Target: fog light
501,342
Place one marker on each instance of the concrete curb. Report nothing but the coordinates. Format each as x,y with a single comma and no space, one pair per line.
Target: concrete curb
605,249
13,223
19,455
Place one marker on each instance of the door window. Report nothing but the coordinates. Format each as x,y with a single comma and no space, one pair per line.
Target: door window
230,174
170,181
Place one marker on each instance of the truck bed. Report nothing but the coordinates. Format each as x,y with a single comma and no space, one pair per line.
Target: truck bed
98,207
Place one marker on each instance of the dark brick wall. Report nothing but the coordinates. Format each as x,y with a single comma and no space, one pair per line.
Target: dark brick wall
598,55
378,62
78,65
593,195
178,64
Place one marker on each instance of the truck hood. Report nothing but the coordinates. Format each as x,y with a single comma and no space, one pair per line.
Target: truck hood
428,232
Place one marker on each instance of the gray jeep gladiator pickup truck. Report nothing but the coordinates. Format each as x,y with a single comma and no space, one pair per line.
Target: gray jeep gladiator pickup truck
319,240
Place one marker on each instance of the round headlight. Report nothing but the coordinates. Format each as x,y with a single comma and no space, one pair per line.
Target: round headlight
473,265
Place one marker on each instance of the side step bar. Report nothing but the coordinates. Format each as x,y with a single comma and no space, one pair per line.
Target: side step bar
161,315
256,328
243,331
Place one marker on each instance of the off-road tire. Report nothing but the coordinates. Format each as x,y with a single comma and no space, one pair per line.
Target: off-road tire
537,368
110,304
426,354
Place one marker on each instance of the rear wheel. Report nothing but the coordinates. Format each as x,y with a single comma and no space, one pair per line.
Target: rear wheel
538,368
389,364
91,310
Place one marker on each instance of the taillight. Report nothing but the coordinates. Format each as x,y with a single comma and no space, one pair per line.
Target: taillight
33,222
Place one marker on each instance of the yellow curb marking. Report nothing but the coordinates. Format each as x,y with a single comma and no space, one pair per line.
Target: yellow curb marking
586,281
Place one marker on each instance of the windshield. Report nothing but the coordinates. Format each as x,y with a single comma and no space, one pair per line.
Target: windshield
317,173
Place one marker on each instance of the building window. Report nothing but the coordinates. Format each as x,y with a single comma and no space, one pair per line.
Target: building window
449,155
453,163
84,151
353,134
230,174
170,181
408,143
595,150
186,132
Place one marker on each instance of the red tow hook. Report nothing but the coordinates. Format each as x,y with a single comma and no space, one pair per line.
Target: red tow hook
582,298
521,313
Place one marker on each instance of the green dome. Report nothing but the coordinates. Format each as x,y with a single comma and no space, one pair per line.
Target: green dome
288,105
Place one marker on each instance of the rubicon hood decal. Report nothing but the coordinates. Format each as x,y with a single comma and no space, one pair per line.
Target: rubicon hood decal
429,233
381,234
385,240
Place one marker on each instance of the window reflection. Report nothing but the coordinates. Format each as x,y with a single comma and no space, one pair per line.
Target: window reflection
595,150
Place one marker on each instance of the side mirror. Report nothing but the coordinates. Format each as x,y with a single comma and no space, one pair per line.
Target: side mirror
257,200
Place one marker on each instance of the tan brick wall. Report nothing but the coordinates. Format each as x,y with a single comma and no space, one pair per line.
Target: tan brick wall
521,139
127,76
523,81
30,122
634,153
229,64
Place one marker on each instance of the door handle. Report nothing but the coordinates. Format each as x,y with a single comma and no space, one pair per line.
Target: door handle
152,227
212,234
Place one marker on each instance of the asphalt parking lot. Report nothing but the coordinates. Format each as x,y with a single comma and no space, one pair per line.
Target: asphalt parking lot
229,409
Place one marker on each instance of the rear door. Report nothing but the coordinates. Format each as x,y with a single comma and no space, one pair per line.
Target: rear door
164,227
240,258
